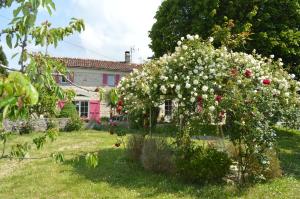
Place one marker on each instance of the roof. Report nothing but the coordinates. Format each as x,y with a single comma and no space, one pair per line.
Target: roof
98,64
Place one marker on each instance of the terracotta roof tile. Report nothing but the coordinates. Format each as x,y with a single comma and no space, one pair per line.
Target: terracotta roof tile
98,64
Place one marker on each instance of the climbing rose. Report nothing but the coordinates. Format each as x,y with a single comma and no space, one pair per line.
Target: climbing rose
266,81
248,73
120,103
218,98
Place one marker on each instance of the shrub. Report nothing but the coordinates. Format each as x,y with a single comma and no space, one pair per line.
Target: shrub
166,129
270,170
68,111
136,120
104,119
198,128
202,165
52,124
274,170
157,155
74,124
26,128
135,145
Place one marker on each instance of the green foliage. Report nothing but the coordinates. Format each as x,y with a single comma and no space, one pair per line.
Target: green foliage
33,90
112,97
101,94
20,150
40,70
270,26
68,111
202,165
39,141
74,124
17,94
91,160
157,155
198,128
58,157
52,134
136,119
52,124
242,95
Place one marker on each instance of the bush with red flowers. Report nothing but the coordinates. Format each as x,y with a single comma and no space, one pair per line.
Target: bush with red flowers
244,94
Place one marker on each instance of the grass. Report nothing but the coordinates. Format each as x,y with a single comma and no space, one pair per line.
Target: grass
117,177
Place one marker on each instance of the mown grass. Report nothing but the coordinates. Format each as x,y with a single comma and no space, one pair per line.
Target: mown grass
117,177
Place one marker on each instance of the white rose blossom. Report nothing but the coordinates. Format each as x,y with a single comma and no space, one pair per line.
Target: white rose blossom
204,88
212,108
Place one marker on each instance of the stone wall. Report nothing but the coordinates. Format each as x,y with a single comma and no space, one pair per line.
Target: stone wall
38,125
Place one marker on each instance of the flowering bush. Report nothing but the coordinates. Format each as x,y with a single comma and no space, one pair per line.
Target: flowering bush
244,94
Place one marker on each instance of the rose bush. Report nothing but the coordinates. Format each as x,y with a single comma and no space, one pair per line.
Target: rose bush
244,94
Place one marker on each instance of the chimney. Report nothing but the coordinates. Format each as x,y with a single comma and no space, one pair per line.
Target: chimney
127,57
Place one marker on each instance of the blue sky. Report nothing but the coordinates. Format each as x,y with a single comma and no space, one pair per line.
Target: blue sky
112,27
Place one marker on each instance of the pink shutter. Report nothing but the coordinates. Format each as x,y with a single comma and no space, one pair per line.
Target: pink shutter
94,110
104,79
117,79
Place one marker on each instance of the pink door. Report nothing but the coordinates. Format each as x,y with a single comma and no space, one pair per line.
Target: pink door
94,110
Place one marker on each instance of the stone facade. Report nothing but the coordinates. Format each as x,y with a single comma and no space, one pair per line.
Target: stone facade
88,77
38,125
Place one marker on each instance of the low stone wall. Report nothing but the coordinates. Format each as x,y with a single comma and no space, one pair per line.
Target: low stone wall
38,125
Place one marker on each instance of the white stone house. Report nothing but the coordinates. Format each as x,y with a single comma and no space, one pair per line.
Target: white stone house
89,75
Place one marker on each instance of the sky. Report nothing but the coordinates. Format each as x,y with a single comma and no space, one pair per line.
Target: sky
112,27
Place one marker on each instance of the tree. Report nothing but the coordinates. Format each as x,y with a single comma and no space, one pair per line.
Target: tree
3,60
274,26
27,91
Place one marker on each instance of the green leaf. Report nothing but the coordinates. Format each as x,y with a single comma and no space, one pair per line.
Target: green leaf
14,55
8,40
91,160
17,11
5,111
52,5
49,10
8,101
33,95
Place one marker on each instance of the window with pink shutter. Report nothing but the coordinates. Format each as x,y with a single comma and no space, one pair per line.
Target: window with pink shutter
117,79
104,80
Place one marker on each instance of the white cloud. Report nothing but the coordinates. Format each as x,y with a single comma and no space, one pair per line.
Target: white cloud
113,26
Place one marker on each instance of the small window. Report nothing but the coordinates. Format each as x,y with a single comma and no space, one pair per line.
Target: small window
63,80
111,79
82,108
168,107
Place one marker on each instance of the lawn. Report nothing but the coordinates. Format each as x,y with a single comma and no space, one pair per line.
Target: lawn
117,177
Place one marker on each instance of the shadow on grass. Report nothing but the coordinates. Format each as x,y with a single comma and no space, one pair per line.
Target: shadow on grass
289,153
120,172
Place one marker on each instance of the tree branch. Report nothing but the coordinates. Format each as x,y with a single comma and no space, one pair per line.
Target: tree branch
10,69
